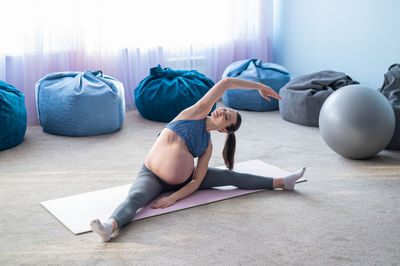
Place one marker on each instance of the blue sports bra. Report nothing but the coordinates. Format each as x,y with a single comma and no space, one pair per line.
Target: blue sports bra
193,133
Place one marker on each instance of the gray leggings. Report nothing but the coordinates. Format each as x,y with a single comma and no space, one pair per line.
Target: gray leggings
148,186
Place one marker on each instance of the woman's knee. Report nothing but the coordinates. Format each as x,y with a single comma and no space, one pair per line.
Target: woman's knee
137,198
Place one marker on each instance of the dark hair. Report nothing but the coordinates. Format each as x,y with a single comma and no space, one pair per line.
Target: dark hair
230,143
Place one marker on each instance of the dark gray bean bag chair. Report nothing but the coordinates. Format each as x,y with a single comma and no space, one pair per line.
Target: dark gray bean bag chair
391,90
302,97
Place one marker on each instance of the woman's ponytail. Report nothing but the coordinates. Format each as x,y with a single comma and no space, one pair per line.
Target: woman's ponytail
228,152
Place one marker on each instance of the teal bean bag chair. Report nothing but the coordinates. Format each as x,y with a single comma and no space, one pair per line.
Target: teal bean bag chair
12,116
80,103
272,75
166,92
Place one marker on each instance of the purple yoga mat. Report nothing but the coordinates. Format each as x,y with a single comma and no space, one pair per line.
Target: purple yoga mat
200,197
76,211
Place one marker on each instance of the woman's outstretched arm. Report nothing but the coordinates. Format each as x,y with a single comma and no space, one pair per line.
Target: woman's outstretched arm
205,104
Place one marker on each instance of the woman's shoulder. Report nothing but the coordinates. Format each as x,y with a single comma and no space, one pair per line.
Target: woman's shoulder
187,120
189,114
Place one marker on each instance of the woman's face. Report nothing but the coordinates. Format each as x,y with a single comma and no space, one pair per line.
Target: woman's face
224,117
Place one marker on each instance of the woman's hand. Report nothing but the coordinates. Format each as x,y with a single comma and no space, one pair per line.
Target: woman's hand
267,92
163,203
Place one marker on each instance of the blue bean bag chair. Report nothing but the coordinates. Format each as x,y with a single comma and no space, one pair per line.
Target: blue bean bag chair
80,103
166,92
272,75
12,116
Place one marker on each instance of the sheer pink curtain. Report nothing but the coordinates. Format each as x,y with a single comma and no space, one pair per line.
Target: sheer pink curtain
126,38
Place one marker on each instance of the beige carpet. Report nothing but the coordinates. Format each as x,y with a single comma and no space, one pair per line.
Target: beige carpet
347,214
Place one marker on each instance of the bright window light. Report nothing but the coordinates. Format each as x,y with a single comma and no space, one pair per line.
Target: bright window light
104,25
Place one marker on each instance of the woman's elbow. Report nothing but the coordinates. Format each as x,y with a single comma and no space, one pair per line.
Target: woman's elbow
225,81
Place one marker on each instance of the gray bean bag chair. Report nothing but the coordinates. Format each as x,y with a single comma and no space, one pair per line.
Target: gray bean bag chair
391,90
302,97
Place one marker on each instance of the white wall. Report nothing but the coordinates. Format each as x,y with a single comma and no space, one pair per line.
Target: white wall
358,37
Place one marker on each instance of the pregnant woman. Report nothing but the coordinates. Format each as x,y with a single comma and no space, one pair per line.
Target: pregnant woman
169,166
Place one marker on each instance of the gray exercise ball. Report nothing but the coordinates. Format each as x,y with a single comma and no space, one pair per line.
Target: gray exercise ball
357,122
